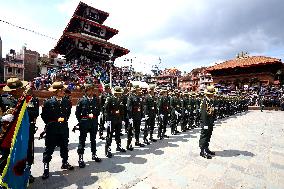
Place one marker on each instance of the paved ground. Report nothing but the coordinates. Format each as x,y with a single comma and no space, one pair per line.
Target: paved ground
249,154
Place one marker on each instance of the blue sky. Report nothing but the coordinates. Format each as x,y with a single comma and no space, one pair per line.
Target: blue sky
186,33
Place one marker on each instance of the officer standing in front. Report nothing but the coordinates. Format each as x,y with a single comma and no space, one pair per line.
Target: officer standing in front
87,112
55,114
207,123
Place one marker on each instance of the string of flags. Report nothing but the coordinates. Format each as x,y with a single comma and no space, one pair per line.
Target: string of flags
35,32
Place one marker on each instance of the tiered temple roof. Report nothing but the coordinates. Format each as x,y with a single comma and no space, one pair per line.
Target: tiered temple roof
86,35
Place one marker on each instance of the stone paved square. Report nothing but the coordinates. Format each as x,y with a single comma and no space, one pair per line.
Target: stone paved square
249,154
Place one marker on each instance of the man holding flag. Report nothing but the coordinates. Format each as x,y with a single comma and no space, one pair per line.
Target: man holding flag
14,139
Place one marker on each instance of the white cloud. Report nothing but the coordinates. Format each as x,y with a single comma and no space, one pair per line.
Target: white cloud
184,33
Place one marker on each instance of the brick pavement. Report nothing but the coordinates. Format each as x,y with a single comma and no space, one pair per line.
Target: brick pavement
249,154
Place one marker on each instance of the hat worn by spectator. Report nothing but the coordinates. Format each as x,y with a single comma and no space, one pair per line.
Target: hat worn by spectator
57,86
14,84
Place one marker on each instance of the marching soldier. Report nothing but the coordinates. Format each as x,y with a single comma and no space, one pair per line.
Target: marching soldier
207,120
185,111
55,114
87,112
103,98
150,115
164,114
134,110
175,112
192,110
114,113
125,115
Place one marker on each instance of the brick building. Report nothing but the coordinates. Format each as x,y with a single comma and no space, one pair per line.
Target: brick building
30,64
195,80
11,67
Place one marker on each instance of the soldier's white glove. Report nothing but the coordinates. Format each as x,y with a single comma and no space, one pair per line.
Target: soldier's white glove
123,123
186,111
177,114
146,117
205,127
8,118
161,116
131,121
108,123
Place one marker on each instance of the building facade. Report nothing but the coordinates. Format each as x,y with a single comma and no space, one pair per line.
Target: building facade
205,80
30,64
195,80
11,67
246,70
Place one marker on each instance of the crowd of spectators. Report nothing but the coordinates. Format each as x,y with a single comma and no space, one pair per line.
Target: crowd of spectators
77,72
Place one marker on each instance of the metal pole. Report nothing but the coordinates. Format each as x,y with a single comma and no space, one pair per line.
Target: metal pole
110,79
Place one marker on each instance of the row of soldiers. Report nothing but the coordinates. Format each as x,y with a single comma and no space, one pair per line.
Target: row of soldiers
112,110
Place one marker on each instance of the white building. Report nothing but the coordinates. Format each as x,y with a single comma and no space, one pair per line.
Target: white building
206,79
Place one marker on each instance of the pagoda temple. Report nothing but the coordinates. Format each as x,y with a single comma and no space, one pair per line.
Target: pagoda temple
84,43
246,70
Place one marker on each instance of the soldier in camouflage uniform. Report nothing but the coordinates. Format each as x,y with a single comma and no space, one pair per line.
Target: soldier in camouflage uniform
150,115
185,111
87,112
163,113
103,98
134,110
125,119
55,114
114,114
191,110
175,112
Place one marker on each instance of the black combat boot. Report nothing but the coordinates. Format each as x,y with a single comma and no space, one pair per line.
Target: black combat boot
146,141
66,165
137,143
96,158
204,154
119,149
151,137
81,161
129,146
108,152
209,152
45,174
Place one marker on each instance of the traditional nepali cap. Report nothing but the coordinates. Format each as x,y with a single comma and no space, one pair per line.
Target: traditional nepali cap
57,86
14,84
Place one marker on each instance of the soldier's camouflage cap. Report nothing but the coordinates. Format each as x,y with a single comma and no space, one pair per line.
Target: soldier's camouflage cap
117,90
